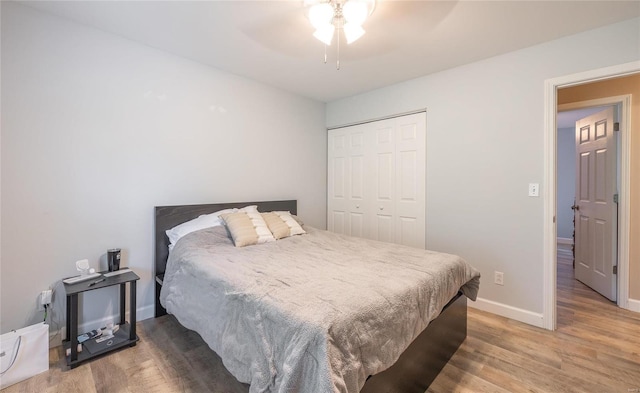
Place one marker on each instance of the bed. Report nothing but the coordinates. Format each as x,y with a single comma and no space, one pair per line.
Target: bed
278,329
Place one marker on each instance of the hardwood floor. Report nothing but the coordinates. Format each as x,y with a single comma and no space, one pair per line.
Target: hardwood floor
596,348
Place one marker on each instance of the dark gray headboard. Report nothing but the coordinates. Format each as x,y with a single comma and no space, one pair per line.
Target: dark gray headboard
168,217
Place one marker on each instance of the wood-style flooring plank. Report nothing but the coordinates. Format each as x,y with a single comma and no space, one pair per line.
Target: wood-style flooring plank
596,348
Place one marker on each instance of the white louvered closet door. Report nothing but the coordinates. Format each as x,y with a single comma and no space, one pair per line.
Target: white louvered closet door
376,175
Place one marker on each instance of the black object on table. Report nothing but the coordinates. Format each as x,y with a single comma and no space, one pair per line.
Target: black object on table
127,330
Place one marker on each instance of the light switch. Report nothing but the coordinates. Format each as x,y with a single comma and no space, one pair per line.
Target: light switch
534,189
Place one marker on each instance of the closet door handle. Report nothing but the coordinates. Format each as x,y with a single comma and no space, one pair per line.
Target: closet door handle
381,207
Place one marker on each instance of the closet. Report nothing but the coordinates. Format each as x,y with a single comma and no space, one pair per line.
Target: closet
376,180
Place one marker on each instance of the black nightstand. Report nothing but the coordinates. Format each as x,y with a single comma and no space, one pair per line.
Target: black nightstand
125,336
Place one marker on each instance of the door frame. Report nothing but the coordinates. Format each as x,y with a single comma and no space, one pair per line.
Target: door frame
549,191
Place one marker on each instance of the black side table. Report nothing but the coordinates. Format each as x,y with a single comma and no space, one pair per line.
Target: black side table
126,334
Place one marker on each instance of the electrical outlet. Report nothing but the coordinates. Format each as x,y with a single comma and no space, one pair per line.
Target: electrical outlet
498,278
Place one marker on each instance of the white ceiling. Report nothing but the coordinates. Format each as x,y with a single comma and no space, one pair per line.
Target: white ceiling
271,41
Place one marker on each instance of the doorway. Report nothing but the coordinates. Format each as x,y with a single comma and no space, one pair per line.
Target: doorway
586,196
552,87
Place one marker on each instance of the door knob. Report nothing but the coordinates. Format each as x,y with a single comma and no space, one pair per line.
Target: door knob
381,208
575,207
357,206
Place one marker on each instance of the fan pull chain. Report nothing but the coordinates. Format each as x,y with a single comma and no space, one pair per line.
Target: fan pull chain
338,51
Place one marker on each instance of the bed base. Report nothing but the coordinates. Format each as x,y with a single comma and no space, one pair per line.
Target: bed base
418,365
427,355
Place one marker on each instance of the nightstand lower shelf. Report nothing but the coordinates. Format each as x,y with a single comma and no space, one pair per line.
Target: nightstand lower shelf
120,339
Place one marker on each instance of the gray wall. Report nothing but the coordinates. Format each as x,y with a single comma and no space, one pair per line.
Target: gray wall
485,143
566,181
97,130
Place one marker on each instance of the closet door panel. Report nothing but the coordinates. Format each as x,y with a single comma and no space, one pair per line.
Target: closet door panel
384,171
357,179
357,193
356,225
410,153
337,220
408,231
382,206
347,173
384,228
383,180
338,184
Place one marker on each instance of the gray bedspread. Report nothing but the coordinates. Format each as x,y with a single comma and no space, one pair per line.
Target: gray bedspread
313,313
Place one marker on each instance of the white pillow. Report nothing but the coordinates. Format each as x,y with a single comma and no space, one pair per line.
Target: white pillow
204,221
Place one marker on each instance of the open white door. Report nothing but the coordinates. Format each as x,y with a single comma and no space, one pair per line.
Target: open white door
595,208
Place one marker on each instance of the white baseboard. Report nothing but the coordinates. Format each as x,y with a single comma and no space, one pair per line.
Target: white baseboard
145,312
565,240
634,305
55,338
518,314
564,247
565,253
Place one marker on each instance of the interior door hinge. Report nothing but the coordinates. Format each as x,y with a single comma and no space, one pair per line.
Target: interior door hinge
616,198
615,269
616,126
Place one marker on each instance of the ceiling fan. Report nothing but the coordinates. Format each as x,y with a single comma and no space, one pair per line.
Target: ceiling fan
331,16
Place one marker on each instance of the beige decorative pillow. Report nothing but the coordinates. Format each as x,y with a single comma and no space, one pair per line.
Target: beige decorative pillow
247,228
277,227
282,224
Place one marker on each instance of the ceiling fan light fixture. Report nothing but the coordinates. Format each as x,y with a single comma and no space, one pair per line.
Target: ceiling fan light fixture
352,32
325,34
327,16
321,15
355,12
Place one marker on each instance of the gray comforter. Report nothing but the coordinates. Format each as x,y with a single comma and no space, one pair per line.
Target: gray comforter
313,313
